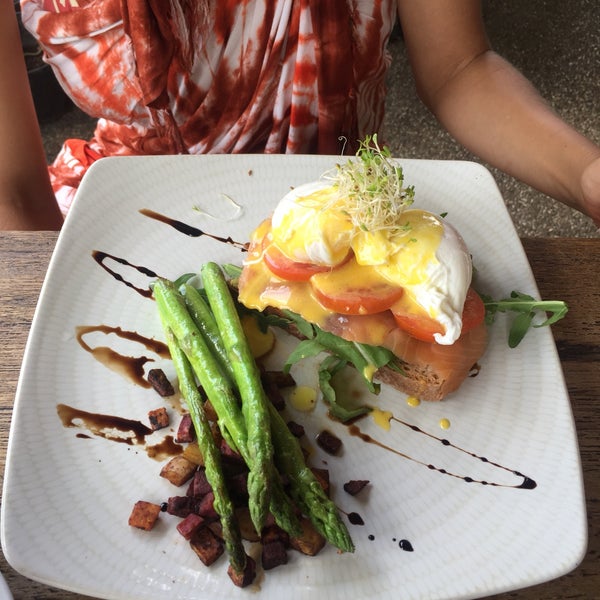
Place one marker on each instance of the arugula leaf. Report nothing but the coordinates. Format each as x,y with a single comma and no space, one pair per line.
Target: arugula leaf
526,308
304,327
327,370
365,358
231,270
304,349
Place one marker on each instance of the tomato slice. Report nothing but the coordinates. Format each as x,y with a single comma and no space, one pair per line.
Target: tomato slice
420,326
352,289
286,268
424,327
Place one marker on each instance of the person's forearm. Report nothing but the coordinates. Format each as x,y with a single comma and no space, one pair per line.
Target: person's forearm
26,197
497,114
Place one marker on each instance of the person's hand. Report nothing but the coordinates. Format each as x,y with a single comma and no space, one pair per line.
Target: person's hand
590,189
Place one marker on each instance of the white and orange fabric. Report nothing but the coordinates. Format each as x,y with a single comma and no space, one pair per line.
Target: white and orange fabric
222,76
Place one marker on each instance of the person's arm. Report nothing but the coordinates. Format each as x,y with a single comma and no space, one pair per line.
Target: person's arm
490,108
26,197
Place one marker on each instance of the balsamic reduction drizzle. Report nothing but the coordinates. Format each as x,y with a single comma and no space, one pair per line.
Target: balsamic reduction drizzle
117,429
130,366
132,432
189,230
100,257
526,482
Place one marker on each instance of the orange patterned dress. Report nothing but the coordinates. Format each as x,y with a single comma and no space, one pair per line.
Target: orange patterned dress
223,76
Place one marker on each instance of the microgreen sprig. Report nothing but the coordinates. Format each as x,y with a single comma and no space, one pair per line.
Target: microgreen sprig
526,308
371,189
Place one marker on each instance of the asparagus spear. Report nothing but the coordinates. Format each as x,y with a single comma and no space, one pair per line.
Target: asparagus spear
305,489
226,406
172,307
247,377
212,457
215,382
205,321
280,506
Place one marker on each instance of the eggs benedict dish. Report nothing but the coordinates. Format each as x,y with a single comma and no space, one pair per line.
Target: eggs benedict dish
350,254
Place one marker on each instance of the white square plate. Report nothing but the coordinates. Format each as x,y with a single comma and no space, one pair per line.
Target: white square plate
68,492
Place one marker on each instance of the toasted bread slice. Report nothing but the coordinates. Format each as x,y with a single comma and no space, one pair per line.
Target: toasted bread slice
427,371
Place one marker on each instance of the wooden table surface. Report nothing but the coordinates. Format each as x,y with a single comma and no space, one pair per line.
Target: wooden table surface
567,269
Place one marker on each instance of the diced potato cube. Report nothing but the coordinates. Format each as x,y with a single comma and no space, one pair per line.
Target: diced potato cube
311,542
144,515
159,418
322,476
246,577
178,470
192,453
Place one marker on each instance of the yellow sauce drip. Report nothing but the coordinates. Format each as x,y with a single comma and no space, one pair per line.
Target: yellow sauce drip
413,401
369,371
382,418
303,398
444,423
260,342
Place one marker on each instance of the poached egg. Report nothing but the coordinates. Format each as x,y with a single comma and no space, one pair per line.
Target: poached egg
419,252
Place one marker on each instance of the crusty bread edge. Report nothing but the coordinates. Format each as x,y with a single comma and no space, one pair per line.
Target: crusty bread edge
421,382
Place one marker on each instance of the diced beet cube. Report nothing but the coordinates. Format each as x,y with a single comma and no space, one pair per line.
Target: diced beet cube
180,506
273,393
238,485
199,485
205,507
296,429
329,442
207,545
355,485
280,378
159,381
216,527
228,453
274,533
273,555
188,527
185,432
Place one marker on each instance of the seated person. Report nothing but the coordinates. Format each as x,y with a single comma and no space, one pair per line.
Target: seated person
291,76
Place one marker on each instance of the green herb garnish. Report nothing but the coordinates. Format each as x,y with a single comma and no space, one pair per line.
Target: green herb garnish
371,189
526,308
